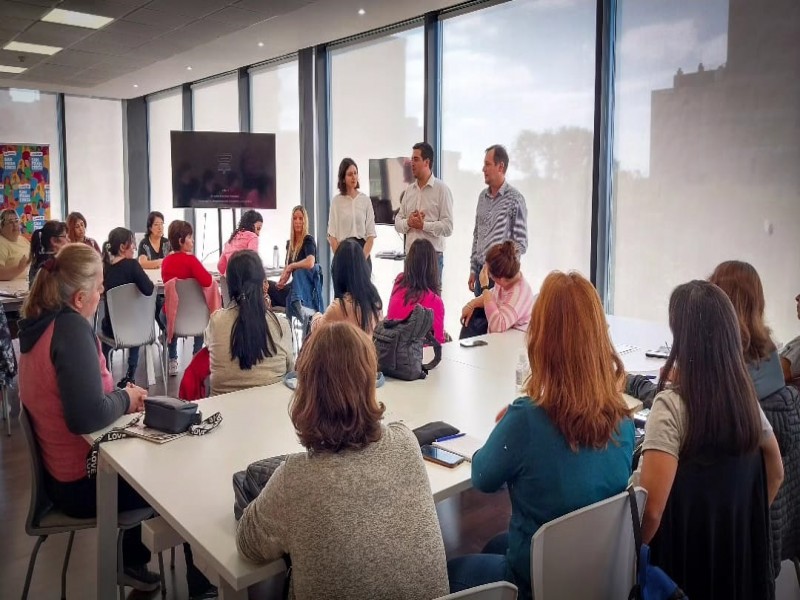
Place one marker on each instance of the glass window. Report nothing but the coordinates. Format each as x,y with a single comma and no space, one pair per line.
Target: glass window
164,114
275,108
31,117
377,111
95,164
520,74
215,108
706,150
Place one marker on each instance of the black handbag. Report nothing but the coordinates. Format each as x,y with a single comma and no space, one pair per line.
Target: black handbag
170,414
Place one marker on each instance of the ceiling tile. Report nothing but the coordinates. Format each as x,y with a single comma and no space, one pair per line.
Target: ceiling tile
157,17
271,8
48,72
75,58
236,16
10,58
53,34
106,8
148,31
195,8
107,43
21,11
206,30
15,24
48,3
131,61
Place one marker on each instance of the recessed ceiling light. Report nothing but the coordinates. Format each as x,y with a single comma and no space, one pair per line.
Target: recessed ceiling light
7,69
362,12
260,44
136,85
31,48
76,19
188,68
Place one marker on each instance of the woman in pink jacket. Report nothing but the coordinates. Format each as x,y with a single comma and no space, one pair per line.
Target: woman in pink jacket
419,283
244,238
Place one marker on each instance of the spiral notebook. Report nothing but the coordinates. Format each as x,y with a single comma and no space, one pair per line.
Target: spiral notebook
465,446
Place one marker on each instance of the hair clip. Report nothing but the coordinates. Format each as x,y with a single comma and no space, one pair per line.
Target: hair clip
50,265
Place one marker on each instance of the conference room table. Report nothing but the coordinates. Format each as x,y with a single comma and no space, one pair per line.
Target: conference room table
13,294
188,480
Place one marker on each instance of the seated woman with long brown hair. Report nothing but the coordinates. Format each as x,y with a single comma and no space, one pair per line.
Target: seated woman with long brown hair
710,461
355,511
568,443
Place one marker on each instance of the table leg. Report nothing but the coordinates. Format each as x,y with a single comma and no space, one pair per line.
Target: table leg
149,362
106,530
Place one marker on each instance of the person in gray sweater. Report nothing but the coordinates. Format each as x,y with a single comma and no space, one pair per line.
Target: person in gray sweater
354,512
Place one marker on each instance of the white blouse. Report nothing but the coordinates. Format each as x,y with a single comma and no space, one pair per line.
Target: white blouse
351,217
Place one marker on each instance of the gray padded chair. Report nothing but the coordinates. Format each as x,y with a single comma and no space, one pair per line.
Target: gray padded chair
132,316
192,317
45,520
501,590
566,564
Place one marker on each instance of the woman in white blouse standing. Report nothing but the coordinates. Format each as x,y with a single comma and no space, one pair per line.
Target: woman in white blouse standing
351,213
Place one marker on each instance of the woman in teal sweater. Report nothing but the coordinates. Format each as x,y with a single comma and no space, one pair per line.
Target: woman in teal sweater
565,445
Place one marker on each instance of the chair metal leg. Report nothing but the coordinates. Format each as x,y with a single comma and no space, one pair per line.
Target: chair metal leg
120,568
161,574
31,564
66,566
172,558
6,410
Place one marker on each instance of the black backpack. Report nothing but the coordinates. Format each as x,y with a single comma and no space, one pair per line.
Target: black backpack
399,345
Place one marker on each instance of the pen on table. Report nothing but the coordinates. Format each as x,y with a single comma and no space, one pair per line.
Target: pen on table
449,437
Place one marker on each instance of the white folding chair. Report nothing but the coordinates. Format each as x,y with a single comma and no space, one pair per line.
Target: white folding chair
501,590
588,554
192,316
132,316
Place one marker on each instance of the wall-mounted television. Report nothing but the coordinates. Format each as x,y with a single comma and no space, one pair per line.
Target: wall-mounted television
388,179
212,169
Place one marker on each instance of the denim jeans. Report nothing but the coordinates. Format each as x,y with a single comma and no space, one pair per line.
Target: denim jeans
491,565
133,358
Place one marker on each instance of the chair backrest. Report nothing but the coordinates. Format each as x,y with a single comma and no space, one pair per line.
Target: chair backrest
40,502
501,590
223,288
132,316
192,317
588,554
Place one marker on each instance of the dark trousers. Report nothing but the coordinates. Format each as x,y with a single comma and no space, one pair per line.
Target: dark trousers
79,499
491,565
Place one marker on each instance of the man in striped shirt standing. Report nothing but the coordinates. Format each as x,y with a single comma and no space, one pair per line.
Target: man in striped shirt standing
501,214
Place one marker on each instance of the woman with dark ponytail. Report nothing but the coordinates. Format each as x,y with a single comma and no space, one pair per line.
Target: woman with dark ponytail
244,238
45,244
119,268
248,345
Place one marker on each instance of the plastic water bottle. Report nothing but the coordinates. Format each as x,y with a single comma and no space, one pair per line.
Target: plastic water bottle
522,371
276,258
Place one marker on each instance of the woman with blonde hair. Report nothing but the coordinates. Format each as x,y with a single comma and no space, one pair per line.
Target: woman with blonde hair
566,444
301,267
354,511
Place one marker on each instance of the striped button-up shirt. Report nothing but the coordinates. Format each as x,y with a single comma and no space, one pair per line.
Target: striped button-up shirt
498,219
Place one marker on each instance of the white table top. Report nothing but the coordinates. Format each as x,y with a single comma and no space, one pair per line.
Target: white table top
188,481
14,291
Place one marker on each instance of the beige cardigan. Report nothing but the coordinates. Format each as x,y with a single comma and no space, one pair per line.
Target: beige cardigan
226,376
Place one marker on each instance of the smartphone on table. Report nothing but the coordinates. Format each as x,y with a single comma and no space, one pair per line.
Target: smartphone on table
473,343
441,457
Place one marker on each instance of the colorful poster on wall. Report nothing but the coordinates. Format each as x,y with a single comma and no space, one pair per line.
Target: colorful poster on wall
25,183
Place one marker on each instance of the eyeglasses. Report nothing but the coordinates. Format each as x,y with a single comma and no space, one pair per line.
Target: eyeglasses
11,221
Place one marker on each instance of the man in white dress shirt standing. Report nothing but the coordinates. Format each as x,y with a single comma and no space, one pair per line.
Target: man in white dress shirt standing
426,210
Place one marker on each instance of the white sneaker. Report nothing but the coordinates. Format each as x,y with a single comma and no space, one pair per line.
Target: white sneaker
173,367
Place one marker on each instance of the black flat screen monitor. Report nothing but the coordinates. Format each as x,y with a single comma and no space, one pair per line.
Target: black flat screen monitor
388,179
213,169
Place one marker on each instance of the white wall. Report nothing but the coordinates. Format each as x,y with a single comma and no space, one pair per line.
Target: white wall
30,117
164,114
95,164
